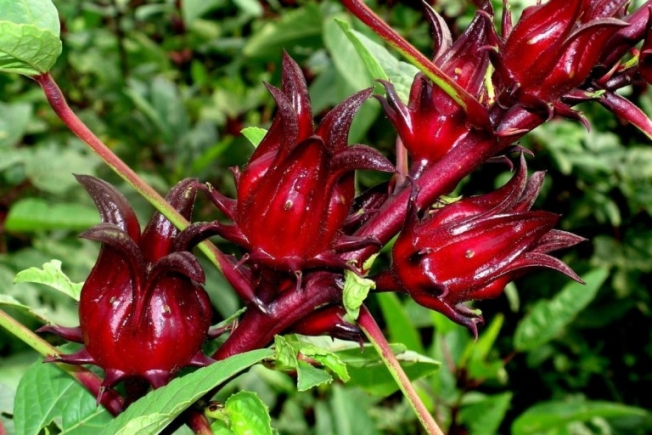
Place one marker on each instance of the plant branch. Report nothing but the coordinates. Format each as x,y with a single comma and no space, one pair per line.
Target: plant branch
60,106
111,400
477,114
376,337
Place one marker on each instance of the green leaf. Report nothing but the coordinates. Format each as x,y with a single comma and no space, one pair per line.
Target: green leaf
193,9
35,214
548,318
297,28
356,290
29,36
251,7
10,301
46,394
52,276
549,417
326,358
482,414
380,63
40,13
254,134
248,414
155,411
369,372
399,324
289,347
344,56
309,377
476,359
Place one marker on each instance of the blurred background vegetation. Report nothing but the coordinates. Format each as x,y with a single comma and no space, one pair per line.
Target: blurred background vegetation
169,85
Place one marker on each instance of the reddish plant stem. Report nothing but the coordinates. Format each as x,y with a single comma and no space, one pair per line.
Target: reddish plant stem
256,329
375,335
58,103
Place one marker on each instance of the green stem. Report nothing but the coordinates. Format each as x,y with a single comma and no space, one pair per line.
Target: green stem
109,399
60,106
376,337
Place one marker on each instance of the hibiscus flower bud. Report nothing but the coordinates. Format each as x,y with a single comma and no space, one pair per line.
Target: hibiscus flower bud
143,313
432,122
471,249
554,46
295,193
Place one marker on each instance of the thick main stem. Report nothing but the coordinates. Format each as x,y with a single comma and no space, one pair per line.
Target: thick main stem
60,106
377,339
109,399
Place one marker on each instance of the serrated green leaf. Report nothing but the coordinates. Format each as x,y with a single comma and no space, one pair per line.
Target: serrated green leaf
254,134
326,358
248,414
27,49
548,318
309,377
40,13
35,214
52,276
355,292
286,354
156,410
547,418
347,62
46,394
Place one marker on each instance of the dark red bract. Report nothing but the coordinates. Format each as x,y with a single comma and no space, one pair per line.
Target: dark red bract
295,193
143,313
471,249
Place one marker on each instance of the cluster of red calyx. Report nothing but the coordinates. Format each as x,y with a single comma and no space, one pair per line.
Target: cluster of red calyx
300,224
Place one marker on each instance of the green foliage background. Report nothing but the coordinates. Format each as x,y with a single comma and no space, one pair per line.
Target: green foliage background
169,85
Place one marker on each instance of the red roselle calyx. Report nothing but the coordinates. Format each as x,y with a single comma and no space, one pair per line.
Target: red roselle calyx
471,249
295,193
143,313
432,122
553,48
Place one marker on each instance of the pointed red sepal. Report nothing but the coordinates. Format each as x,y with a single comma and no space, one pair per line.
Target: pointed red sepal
200,360
334,128
359,157
352,243
628,111
117,239
112,205
70,334
558,239
194,234
441,34
328,321
289,133
80,357
183,263
226,205
294,87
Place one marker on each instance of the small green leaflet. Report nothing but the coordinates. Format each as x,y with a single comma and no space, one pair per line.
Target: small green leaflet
254,134
289,348
356,290
29,36
243,414
52,276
